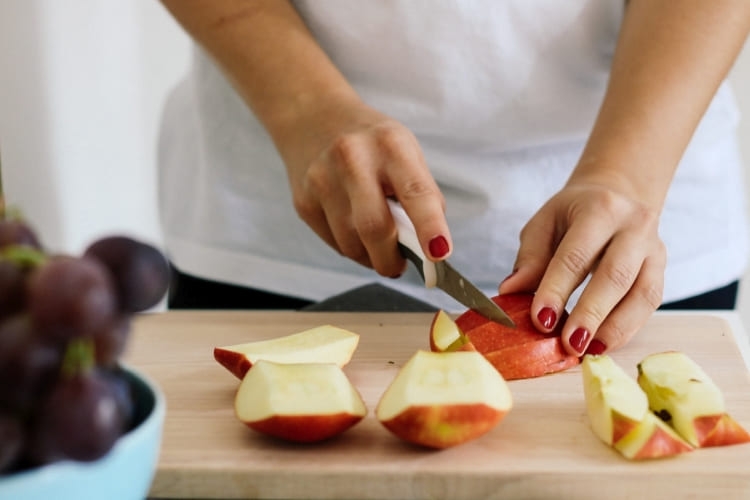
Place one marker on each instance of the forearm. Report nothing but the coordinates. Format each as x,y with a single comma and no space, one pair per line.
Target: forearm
670,59
268,55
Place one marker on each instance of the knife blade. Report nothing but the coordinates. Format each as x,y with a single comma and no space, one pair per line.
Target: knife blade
441,274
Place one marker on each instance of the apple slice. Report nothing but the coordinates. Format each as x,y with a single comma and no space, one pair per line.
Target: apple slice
300,402
322,344
520,352
446,336
442,399
681,392
619,415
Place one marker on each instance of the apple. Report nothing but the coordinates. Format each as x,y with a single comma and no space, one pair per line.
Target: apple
322,344
442,399
681,392
619,414
520,352
300,402
446,336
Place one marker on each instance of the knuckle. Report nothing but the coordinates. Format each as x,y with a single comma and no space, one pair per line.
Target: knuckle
652,295
576,261
615,332
371,228
346,152
621,276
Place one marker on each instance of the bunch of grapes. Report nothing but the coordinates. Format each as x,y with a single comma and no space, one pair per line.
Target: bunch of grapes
64,323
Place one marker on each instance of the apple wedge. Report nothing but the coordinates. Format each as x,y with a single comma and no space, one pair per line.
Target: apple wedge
300,402
520,352
680,392
322,344
438,400
619,415
446,336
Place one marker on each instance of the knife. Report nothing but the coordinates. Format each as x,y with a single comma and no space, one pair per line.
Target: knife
441,274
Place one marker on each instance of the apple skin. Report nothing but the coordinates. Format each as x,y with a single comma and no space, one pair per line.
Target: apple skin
305,428
680,391
324,344
520,352
443,399
651,438
298,402
531,359
441,426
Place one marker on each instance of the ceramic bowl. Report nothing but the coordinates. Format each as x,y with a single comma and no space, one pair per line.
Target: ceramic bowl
125,473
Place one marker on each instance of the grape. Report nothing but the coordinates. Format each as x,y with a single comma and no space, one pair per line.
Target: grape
110,341
81,419
12,283
64,325
70,297
11,441
28,365
16,232
140,271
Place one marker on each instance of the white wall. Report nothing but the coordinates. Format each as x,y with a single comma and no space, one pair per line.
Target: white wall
80,97
81,92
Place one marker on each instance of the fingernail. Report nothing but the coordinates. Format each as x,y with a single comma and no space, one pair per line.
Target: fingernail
596,347
547,317
439,247
579,339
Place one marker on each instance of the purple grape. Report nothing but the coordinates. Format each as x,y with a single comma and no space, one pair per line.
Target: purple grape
82,416
140,271
28,365
110,341
11,442
70,297
12,284
17,232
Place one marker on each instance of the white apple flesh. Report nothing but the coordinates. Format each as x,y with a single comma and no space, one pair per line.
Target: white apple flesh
445,334
443,399
301,402
322,344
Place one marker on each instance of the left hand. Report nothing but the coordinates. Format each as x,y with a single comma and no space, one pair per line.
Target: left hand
592,229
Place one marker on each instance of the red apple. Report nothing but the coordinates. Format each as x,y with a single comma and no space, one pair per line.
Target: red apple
442,399
446,336
619,415
322,344
300,402
681,392
520,352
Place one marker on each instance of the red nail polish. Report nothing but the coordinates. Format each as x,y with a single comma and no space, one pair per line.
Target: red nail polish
547,317
579,339
596,347
439,247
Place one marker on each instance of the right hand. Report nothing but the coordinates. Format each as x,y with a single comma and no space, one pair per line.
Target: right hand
342,164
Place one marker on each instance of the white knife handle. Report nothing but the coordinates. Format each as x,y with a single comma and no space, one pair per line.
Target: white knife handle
407,237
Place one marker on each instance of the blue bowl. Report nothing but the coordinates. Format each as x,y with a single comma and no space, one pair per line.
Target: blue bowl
125,473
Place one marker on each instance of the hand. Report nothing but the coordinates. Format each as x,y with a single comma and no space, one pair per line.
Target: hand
343,164
592,229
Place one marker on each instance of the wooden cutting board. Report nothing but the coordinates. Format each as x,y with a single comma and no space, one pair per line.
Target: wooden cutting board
543,448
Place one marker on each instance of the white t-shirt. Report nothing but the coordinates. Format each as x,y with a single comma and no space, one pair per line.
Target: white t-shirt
501,96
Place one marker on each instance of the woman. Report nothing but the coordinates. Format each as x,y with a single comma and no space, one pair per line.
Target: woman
600,132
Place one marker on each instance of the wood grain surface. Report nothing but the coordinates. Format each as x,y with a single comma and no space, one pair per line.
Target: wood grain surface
544,447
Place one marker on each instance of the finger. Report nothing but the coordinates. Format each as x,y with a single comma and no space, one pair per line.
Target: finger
632,312
537,245
612,279
419,194
374,225
570,264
